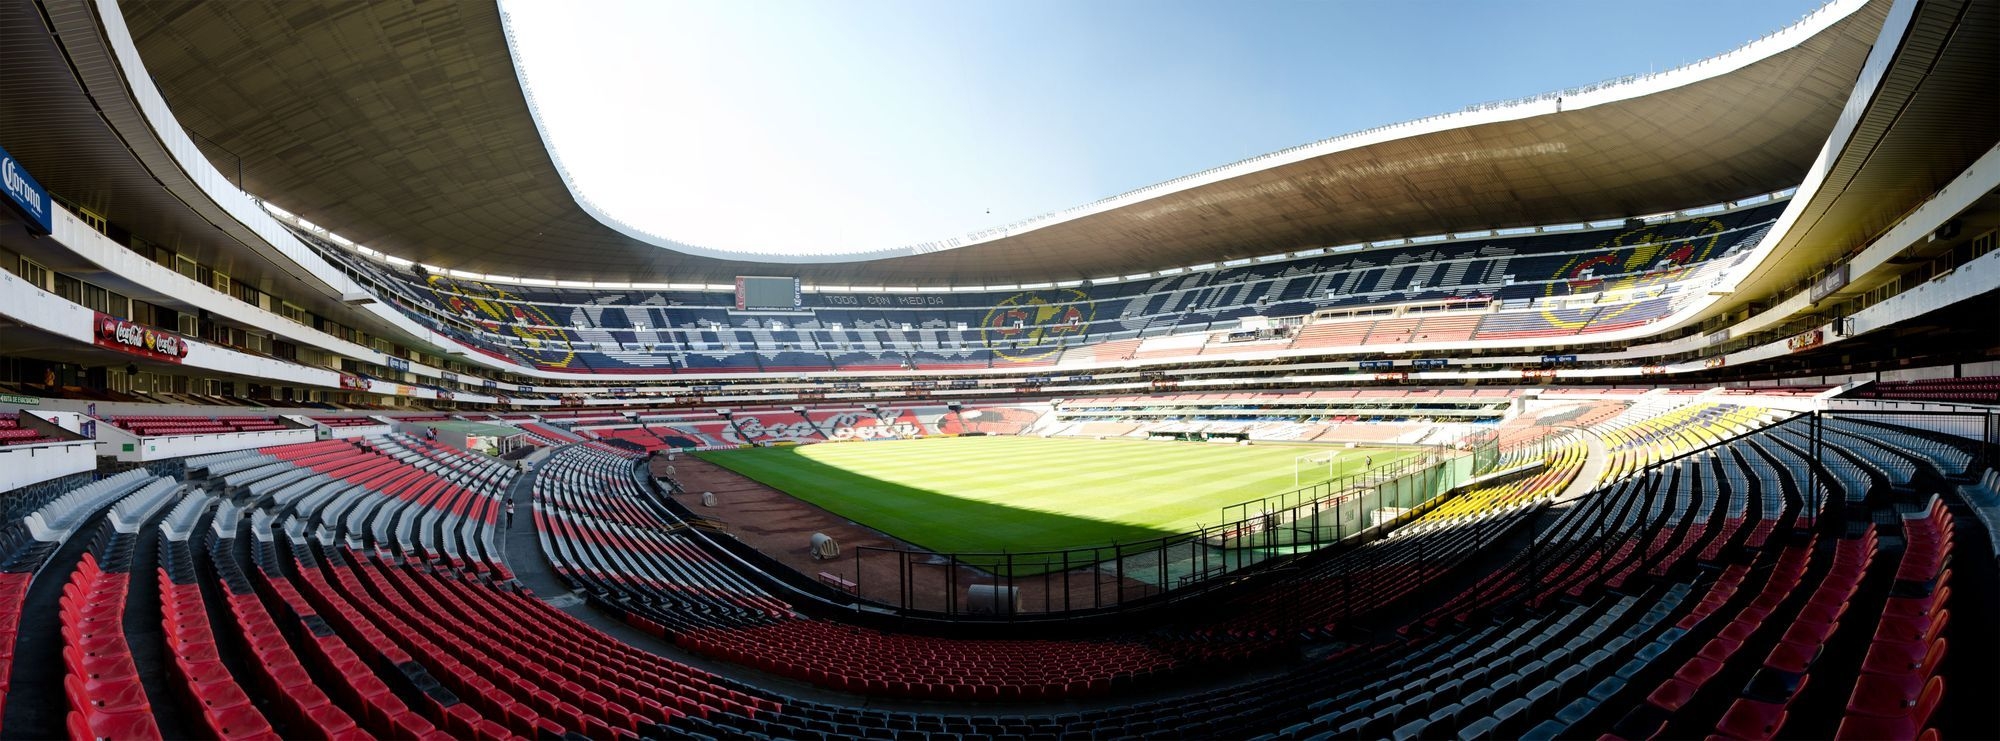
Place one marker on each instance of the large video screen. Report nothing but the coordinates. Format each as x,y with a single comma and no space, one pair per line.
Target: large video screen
762,292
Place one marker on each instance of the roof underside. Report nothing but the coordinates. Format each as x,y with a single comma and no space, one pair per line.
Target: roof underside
1936,110
403,127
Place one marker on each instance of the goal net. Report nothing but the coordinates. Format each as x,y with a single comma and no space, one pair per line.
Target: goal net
1313,468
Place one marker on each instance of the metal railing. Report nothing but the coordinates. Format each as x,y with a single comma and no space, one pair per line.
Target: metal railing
1058,583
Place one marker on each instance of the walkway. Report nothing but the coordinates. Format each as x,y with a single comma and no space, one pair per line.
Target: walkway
1595,461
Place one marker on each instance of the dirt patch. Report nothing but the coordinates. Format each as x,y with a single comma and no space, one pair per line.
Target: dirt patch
781,526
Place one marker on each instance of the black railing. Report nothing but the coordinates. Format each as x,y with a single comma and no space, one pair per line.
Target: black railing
1103,578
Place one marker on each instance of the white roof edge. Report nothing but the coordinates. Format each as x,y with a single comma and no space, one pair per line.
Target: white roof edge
1600,93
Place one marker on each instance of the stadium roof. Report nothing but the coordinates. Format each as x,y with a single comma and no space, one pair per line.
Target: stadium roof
1923,113
404,127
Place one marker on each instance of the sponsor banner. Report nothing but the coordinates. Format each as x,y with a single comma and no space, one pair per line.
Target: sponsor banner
1537,374
1377,364
1807,341
1716,337
1397,376
1652,370
139,339
351,382
489,383
443,395
1714,362
503,399
25,195
524,389
397,364
622,391
1828,284
1557,359
403,390
1429,363
448,376
19,399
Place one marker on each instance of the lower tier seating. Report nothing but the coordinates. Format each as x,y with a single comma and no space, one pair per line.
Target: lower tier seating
357,588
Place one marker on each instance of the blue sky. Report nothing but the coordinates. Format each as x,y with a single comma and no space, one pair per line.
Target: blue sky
801,126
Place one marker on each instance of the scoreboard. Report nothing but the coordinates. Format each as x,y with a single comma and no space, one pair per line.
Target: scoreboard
763,292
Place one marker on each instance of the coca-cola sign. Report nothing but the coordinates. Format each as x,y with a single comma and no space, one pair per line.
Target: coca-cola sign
139,339
859,425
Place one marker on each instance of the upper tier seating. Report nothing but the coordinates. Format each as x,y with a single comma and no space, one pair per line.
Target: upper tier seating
155,426
1973,390
347,421
1613,278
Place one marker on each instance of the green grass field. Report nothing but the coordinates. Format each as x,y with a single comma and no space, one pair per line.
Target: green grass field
1015,494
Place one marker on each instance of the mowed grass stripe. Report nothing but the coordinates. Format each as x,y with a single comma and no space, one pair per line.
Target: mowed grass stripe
1016,493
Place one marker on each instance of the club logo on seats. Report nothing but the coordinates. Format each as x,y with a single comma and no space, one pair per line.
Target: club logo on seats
1623,268
1033,325
541,339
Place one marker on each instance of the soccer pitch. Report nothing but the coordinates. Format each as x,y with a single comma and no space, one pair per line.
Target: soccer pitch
1016,494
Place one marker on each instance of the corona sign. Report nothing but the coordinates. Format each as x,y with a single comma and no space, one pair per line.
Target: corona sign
1031,326
25,195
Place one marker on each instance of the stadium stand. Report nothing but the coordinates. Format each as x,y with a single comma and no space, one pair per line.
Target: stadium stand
346,421
1637,609
151,426
1660,469
605,534
1978,390
600,331
12,433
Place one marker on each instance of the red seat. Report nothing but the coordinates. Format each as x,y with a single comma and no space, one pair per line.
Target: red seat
239,721
1894,658
115,724
1751,720
1908,697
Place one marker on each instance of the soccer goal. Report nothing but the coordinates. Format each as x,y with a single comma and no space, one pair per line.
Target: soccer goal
1313,468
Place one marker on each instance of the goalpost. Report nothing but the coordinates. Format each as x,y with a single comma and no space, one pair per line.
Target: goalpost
1313,461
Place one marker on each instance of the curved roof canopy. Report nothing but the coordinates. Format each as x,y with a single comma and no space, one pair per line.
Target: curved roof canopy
404,127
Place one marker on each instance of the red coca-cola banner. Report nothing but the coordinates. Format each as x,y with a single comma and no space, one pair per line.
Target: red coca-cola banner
139,339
